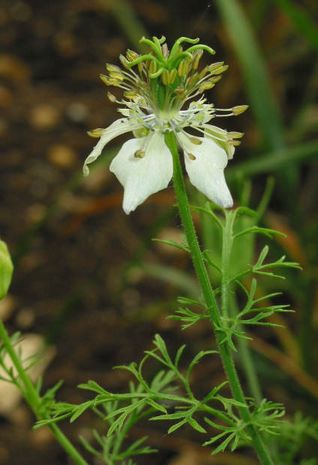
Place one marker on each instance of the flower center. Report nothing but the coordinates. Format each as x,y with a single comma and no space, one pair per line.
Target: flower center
163,81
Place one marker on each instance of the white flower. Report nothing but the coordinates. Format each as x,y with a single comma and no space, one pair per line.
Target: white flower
144,163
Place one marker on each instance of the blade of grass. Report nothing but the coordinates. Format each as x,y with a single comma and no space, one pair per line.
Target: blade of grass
127,19
254,72
257,82
275,160
301,19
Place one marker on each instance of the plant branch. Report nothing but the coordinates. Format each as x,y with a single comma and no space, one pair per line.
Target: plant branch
34,400
207,291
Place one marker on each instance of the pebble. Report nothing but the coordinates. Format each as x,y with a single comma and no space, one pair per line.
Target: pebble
5,97
44,116
61,156
6,307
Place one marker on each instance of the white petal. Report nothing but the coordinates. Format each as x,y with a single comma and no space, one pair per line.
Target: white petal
205,164
117,128
221,136
142,177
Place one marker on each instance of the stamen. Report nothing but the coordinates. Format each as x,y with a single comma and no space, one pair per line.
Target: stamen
96,132
112,97
239,109
195,141
139,154
236,135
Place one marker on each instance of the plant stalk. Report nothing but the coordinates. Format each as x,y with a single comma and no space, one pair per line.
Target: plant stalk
34,400
208,294
229,301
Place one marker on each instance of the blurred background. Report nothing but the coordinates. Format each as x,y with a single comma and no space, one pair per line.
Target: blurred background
89,281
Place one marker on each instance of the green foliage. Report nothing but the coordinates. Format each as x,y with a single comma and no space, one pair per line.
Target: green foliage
238,277
167,397
294,434
266,416
6,269
254,71
9,375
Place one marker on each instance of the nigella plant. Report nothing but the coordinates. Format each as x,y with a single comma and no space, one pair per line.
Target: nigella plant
163,91
163,105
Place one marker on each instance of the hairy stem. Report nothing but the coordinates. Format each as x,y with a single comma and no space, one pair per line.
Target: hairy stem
208,294
34,400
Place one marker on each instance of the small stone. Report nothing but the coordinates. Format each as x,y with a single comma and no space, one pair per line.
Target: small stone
6,307
25,318
35,213
30,345
5,97
62,156
4,455
42,436
77,112
3,127
44,116
14,68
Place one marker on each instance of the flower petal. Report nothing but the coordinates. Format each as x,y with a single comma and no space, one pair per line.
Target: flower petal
205,163
117,128
222,138
144,176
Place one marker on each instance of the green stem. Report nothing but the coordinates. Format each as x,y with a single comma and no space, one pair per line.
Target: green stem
228,301
227,241
34,400
208,294
250,373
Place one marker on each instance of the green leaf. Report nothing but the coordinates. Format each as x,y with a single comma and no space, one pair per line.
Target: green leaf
177,426
94,387
156,406
254,71
214,391
224,444
302,20
195,425
197,359
179,355
89,447
271,161
170,416
188,317
6,269
208,210
257,230
177,245
215,438
80,410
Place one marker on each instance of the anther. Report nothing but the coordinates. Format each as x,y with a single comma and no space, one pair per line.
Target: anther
206,86
239,109
195,141
113,68
139,154
196,59
236,135
111,97
131,55
96,132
